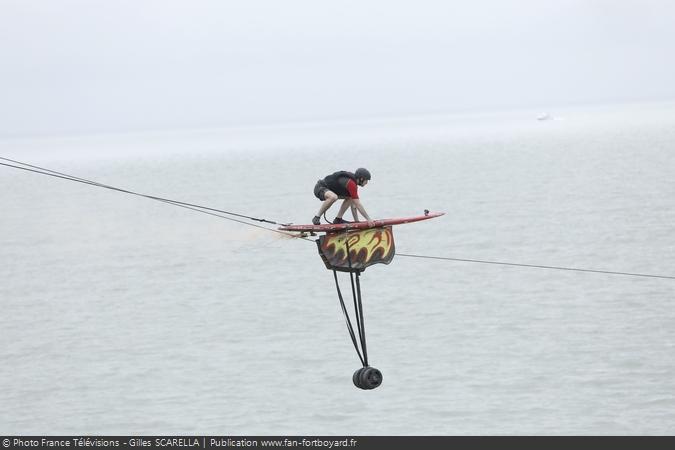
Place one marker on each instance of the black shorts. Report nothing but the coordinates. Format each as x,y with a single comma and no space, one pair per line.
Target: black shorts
320,190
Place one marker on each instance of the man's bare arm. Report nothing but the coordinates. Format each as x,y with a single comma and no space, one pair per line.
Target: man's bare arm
355,212
356,203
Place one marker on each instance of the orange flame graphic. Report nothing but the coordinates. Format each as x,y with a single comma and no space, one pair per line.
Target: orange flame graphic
366,247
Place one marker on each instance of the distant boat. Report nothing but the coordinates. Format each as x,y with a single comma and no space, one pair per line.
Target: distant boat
545,116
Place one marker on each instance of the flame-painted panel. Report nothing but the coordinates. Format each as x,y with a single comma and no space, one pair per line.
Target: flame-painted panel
366,247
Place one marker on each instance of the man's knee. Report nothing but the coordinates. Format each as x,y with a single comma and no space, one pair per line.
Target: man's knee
330,196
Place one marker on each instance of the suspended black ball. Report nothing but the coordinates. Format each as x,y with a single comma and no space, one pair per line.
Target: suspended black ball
356,378
370,378
367,378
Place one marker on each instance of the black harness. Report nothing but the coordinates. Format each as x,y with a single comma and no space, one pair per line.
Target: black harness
337,182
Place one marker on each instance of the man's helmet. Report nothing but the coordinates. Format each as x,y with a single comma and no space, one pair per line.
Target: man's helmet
362,173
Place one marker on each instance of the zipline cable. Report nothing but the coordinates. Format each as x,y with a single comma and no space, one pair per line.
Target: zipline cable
213,211
54,173
191,206
536,266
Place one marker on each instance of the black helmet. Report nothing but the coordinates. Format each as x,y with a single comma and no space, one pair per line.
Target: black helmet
362,173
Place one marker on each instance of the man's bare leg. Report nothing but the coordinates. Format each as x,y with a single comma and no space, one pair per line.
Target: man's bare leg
330,198
343,208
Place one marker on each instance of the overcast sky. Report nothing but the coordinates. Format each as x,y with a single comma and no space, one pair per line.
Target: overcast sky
81,66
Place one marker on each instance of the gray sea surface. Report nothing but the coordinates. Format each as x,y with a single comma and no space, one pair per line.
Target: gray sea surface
122,315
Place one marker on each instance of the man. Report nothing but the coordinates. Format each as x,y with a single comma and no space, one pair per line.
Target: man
342,185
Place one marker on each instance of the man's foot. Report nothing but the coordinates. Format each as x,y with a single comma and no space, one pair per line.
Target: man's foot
339,220
316,220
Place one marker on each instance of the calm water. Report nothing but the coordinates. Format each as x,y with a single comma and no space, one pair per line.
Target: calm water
122,315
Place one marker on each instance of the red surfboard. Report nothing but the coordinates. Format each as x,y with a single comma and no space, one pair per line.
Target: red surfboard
359,225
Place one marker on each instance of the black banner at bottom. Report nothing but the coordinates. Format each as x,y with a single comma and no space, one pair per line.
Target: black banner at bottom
338,442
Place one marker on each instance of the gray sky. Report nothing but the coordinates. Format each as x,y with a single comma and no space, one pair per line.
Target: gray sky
81,66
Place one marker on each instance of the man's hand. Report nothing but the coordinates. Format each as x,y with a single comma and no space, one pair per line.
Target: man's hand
357,203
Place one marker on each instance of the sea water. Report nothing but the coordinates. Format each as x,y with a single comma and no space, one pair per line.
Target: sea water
122,315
